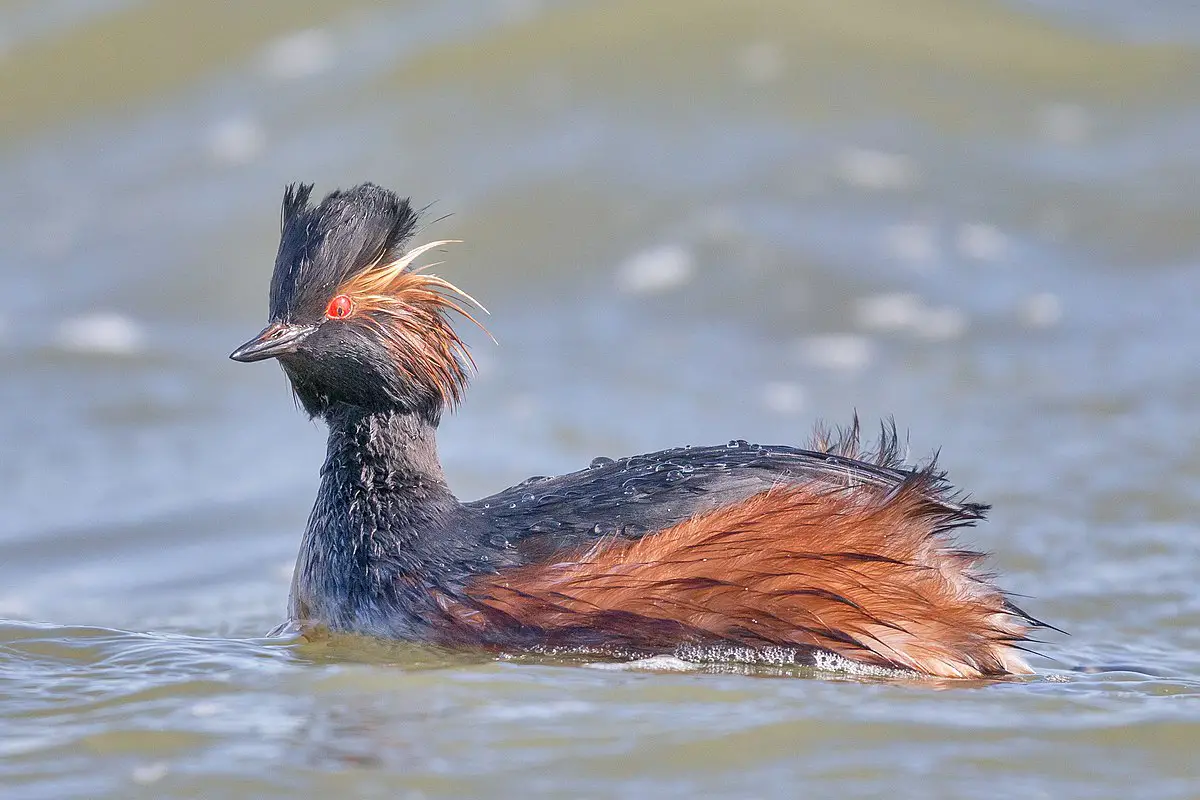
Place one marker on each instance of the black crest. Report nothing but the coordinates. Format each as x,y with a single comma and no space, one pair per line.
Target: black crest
321,247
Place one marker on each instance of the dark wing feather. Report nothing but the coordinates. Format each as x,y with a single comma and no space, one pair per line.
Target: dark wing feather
641,494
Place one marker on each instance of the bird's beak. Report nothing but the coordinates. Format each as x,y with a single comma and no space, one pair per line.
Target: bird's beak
277,339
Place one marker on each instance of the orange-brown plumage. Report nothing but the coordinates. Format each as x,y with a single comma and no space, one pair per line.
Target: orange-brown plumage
867,574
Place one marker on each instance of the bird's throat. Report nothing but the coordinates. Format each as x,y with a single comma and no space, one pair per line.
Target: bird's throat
376,536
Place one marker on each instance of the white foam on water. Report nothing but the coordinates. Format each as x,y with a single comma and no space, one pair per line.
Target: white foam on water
908,313
537,711
206,708
875,170
657,270
101,333
146,774
783,397
652,663
1041,310
237,140
783,657
981,241
832,662
892,311
298,55
846,352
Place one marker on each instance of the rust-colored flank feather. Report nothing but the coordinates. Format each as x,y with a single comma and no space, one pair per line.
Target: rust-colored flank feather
411,319
871,576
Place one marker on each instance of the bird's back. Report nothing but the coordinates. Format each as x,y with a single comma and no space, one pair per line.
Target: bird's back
643,494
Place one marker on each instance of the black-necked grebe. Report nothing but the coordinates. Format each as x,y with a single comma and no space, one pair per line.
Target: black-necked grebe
817,551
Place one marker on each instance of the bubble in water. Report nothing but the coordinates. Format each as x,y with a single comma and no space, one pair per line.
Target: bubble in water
656,663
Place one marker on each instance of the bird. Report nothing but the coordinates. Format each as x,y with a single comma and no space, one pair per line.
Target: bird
836,553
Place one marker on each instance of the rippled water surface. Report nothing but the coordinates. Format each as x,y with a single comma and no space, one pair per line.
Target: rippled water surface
692,222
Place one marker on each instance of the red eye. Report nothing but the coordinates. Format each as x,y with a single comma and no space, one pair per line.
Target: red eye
339,307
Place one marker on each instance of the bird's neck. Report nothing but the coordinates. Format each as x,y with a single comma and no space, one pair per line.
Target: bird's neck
382,523
385,454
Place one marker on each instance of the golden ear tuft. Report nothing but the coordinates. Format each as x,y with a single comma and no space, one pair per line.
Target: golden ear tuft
378,277
378,287
408,309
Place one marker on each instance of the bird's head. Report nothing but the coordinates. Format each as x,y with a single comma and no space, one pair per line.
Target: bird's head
352,320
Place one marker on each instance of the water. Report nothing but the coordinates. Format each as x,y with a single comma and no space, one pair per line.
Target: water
693,222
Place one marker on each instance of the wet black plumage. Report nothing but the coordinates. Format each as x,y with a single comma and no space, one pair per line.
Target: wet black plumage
390,551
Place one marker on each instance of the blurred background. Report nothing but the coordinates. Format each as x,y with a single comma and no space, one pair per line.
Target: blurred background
693,221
